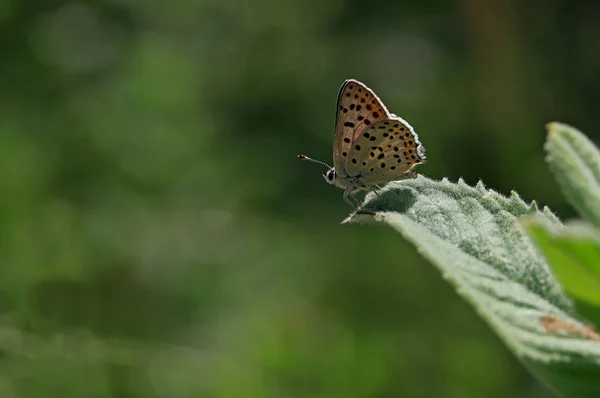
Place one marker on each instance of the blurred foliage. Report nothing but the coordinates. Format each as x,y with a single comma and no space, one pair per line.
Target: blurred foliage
159,238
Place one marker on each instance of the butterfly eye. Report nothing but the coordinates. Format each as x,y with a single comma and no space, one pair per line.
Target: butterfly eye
330,175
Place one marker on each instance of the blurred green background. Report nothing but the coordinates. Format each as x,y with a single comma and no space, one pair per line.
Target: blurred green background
159,238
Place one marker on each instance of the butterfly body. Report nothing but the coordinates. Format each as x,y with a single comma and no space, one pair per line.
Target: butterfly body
371,145
352,184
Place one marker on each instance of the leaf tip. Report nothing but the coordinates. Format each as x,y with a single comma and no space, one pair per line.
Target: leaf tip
534,206
550,214
549,127
554,126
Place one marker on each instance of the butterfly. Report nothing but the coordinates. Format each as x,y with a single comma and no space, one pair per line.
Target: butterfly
371,145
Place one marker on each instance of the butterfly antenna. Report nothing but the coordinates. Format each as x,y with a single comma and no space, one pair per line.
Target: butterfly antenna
304,157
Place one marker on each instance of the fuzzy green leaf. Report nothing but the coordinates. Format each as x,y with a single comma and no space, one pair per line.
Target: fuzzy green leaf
474,237
574,255
575,161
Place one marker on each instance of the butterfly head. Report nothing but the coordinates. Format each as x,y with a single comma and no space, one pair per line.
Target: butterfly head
329,175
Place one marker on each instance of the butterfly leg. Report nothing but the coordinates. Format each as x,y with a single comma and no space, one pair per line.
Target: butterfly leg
357,200
376,193
347,195
410,175
379,187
